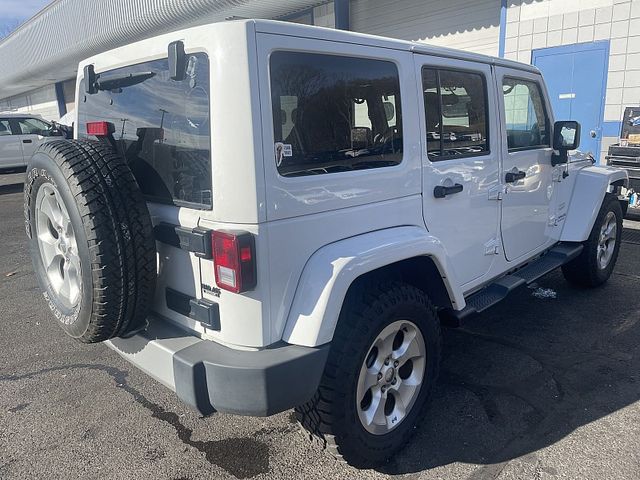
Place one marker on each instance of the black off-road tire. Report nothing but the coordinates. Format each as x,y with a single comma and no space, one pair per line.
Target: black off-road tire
113,232
330,417
584,270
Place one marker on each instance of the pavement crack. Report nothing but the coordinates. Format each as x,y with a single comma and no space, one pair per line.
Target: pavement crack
242,457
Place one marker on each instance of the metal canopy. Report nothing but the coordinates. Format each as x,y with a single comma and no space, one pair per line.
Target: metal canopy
47,48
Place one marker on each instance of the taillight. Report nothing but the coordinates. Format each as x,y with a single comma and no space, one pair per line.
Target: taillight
234,261
100,129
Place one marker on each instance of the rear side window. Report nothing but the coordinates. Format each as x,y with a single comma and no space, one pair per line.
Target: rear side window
526,118
334,114
162,127
455,106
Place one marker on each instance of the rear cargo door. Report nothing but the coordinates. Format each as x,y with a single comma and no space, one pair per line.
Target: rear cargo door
162,127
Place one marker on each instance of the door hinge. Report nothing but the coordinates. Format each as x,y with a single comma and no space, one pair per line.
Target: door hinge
497,192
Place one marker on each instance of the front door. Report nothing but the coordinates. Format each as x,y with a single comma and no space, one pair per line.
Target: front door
461,162
527,172
33,133
576,78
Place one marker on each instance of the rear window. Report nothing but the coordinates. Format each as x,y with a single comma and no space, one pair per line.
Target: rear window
162,127
334,114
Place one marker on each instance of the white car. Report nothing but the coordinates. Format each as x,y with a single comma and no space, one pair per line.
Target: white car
20,136
241,217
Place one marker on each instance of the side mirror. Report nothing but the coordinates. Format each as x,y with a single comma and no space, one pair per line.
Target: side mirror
566,136
177,61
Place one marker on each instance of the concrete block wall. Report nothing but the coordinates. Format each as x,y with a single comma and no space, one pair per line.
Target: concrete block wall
549,23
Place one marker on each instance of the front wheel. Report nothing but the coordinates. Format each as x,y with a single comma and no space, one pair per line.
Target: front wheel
383,363
594,265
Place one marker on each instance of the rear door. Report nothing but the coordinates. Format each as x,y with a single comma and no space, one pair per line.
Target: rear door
10,149
162,128
461,161
527,171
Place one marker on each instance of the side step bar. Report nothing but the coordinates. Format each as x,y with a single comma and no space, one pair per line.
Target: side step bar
498,291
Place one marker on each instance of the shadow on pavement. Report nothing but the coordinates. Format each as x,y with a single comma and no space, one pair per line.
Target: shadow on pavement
12,188
526,374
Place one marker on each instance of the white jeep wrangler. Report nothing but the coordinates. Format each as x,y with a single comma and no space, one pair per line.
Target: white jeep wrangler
264,215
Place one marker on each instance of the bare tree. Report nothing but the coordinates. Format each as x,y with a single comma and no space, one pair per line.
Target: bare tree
9,26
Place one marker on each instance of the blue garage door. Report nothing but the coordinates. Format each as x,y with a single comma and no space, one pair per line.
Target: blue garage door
576,77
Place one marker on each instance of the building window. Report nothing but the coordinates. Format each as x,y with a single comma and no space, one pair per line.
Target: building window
334,114
456,115
526,118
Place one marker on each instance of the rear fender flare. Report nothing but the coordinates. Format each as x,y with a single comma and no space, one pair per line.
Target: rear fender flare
331,270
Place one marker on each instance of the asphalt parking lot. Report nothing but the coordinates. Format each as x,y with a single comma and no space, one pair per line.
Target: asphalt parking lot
545,386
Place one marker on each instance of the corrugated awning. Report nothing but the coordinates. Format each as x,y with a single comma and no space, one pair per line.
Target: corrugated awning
47,48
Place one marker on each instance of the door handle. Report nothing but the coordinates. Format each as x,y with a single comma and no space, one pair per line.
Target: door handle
27,141
593,134
512,177
441,191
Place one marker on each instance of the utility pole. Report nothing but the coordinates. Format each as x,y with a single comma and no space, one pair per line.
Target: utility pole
124,122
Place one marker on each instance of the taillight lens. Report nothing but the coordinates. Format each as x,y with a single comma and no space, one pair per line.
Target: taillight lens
234,261
100,129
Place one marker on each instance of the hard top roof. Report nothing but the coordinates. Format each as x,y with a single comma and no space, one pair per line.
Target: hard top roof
320,33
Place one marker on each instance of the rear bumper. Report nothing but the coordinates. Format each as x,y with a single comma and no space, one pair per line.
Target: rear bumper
212,377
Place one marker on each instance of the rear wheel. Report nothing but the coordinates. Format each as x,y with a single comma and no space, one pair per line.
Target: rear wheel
91,239
383,363
594,265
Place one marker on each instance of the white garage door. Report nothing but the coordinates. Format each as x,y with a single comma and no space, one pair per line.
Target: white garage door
472,25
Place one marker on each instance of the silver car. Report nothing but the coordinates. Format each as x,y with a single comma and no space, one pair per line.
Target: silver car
20,135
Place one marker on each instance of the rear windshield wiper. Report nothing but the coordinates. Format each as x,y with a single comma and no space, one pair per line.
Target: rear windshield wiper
122,81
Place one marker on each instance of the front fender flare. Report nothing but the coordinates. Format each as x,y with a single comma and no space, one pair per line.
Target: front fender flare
331,270
589,190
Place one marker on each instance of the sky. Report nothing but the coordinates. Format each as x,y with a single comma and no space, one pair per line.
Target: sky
14,12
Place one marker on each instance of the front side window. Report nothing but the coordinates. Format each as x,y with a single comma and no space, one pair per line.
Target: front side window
33,126
526,118
5,128
334,114
455,106
161,127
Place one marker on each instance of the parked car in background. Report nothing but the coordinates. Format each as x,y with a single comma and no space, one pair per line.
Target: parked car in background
20,136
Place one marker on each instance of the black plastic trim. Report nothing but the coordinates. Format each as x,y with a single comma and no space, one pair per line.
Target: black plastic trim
441,191
497,291
203,311
212,377
196,240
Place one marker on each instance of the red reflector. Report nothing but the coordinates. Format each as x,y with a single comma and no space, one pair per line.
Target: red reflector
99,129
245,254
234,261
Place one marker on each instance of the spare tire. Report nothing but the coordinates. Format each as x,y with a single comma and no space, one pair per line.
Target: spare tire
91,239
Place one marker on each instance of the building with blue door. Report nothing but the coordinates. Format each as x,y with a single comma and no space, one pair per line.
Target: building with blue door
588,50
